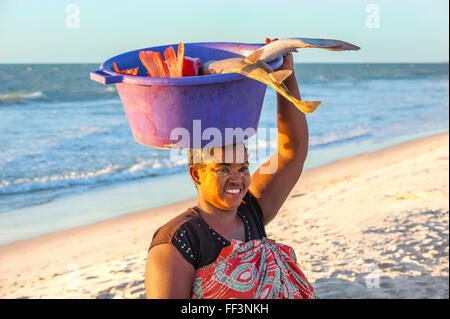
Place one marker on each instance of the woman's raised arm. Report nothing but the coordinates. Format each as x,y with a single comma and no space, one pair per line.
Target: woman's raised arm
286,164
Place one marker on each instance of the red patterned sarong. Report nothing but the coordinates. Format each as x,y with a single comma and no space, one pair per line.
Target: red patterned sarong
256,269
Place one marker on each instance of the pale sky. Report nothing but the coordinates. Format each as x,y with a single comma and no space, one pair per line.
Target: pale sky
79,31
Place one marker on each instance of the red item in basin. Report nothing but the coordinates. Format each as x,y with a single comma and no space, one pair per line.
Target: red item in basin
191,66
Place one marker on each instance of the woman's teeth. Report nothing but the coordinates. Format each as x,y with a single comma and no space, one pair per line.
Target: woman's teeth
233,191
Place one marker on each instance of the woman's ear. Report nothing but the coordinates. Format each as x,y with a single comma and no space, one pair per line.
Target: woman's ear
194,172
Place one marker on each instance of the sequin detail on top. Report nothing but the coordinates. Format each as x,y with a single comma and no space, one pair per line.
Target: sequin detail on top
184,245
223,241
256,269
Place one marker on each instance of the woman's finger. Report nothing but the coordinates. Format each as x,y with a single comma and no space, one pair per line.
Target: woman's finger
268,40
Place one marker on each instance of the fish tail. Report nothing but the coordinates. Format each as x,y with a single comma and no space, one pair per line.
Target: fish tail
307,106
304,106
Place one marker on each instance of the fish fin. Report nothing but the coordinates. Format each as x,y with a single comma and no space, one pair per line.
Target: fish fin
307,106
280,76
263,65
254,56
304,106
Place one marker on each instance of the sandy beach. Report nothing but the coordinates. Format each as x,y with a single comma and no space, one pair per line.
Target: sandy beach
370,226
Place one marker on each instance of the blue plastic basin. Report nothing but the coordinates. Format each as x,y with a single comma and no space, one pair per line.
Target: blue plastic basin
188,112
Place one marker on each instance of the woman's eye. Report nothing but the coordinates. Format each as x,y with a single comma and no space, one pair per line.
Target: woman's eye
244,169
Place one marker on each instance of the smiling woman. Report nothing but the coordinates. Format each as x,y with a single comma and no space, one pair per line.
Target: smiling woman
221,175
218,248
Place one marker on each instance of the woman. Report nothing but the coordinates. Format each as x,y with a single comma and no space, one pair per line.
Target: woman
219,249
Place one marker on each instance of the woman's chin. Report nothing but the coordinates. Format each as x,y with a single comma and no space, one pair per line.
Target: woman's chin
233,200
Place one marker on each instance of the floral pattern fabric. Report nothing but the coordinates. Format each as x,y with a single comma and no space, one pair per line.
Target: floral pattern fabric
256,269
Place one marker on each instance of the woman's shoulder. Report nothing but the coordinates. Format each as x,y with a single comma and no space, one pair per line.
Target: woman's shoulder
176,227
189,216
186,232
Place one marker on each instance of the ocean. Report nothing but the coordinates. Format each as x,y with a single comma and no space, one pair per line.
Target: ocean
68,157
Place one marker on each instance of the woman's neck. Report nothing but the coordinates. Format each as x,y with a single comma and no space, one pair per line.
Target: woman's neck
215,216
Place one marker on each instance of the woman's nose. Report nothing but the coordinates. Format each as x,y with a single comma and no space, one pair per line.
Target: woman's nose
235,175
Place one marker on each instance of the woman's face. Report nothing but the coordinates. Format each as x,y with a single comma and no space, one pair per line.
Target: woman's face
224,182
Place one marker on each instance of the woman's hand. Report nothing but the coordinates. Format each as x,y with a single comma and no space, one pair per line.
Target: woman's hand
288,60
288,63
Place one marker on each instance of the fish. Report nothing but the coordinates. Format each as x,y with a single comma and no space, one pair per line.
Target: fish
260,71
274,49
255,65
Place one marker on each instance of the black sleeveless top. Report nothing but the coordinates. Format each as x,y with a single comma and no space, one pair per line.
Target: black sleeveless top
199,243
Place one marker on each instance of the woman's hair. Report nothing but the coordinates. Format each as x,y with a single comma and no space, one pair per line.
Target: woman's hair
197,156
